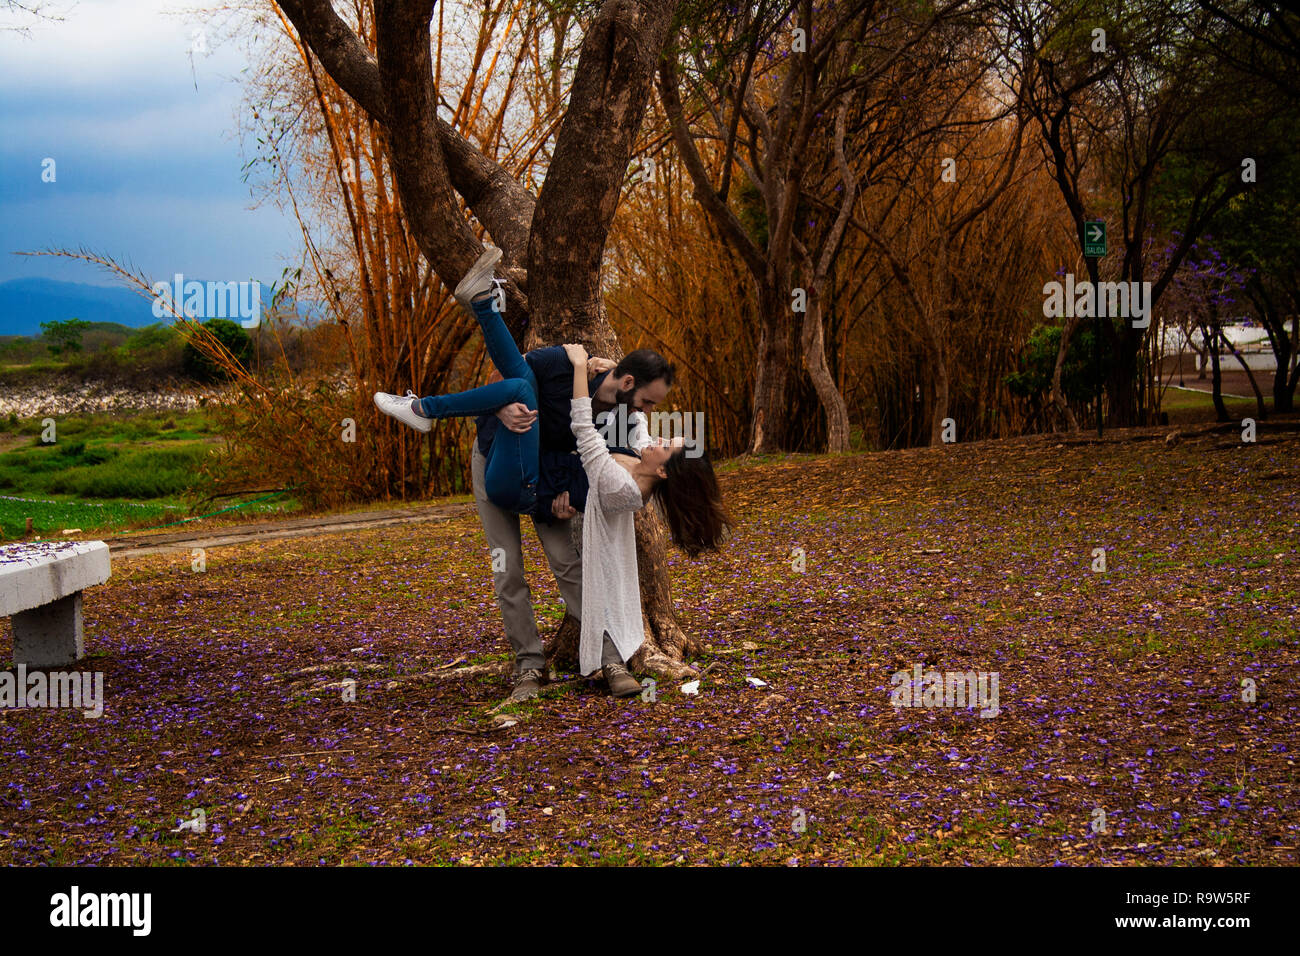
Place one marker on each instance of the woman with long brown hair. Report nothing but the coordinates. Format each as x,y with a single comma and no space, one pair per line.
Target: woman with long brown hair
619,486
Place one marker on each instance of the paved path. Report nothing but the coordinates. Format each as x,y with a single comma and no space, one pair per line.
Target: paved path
139,545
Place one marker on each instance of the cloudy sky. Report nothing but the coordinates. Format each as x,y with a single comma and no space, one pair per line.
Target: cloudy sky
142,134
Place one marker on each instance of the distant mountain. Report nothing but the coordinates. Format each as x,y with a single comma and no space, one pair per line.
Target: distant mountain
26,303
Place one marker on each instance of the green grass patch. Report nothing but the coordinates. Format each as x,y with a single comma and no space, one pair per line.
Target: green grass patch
105,472
99,470
106,426
144,458
1185,406
52,517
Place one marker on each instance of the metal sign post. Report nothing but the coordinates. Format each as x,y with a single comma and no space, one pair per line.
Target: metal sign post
1094,248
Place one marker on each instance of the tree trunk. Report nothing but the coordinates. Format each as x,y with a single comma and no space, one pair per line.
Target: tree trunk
773,373
1283,345
814,357
1120,388
570,227
1055,396
939,391
1216,387
1260,412
577,202
1283,389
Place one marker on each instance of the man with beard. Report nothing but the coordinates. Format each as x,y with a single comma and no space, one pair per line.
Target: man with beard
625,394
638,383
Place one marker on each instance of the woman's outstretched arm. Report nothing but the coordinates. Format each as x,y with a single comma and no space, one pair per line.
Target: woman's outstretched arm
591,447
578,359
610,483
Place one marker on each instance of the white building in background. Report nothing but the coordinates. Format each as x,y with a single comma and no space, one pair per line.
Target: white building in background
1249,338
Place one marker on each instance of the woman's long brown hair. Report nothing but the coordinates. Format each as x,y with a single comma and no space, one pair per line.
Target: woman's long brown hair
692,504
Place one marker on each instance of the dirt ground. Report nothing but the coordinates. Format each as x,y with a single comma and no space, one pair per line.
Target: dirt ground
1147,710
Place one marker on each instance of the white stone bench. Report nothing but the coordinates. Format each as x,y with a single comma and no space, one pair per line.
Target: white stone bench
40,588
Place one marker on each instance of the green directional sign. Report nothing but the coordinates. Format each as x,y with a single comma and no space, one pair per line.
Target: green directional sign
1094,238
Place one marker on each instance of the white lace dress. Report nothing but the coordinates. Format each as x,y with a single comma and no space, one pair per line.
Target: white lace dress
611,591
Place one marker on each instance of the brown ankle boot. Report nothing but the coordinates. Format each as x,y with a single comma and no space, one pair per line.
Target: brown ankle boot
621,683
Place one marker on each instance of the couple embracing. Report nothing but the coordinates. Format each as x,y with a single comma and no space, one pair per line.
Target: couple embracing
538,453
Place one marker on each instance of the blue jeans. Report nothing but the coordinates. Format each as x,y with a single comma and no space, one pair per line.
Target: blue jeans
510,473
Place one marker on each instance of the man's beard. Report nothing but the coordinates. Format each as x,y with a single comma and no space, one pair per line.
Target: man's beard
625,398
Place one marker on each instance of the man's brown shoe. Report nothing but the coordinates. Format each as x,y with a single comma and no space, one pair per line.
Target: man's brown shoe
527,686
621,683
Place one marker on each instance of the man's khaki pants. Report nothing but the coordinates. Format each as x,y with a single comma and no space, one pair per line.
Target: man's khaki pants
513,597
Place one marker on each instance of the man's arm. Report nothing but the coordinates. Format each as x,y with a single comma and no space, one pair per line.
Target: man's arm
561,507
517,417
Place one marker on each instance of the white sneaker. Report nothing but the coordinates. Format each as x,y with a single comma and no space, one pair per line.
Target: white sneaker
479,277
400,408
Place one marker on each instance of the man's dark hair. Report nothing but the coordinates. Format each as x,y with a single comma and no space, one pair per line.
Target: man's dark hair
645,365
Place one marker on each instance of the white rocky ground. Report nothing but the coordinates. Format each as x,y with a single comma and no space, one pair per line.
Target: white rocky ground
72,398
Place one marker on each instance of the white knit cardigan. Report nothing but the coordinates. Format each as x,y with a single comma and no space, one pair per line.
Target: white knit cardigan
611,591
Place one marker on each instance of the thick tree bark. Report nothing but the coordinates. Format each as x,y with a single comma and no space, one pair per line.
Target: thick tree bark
1260,411
772,376
1280,340
496,198
611,89
1284,384
406,72
1284,377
